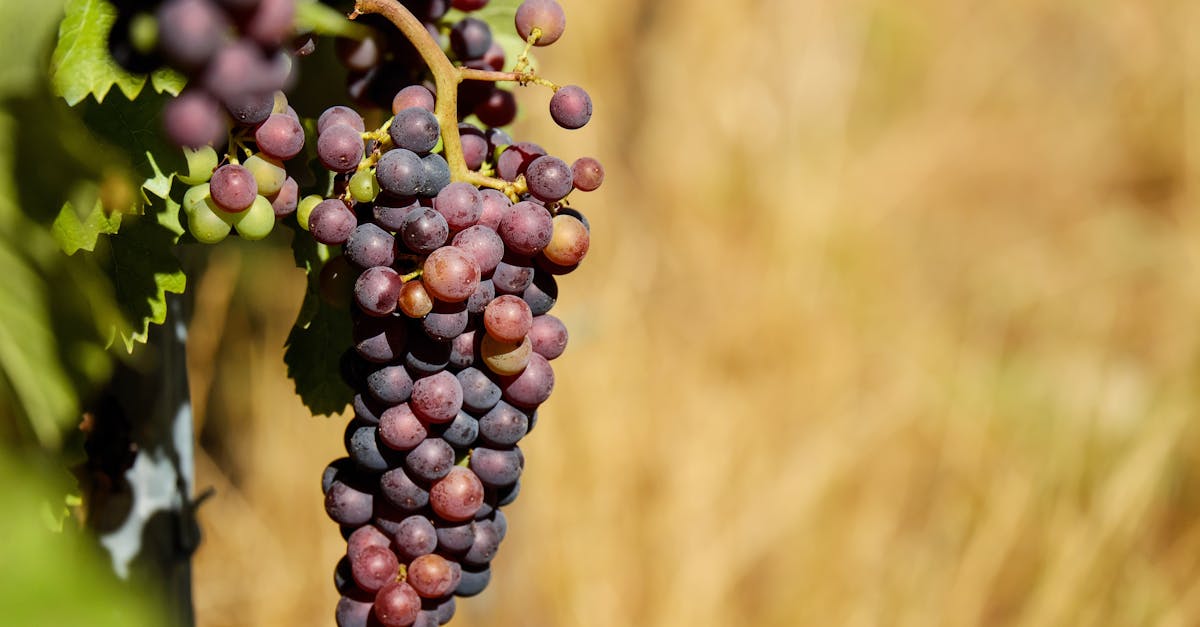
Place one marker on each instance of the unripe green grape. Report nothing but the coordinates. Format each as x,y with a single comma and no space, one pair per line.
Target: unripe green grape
257,221
305,207
206,223
268,173
200,162
194,197
364,187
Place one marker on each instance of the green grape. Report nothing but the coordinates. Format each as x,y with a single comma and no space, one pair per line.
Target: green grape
268,173
195,196
201,162
206,223
257,221
304,209
363,185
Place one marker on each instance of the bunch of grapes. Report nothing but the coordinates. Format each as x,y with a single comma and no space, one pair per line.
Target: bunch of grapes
231,52
450,286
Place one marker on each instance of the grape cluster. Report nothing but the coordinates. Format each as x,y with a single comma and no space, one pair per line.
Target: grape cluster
230,50
450,287
250,195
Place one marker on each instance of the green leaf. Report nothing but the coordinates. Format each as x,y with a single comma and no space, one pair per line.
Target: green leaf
74,234
164,80
135,128
315,17
81,64
143,269
27,30
29,351
314,348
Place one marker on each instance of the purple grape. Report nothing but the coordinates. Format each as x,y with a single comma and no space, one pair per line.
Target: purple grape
496,467
400,429
504,425
571,107
331,222
363,446
400,490
413,96
475,146
334,116
401,172
533,386
542,293
549,336
194,119
512,162
353,613
377,289
424,230
415,536
587,173
437,174
485,545
544,15
512,276
271,23
550,179
460,203
498,109
389,212
446,321
430,460
285,200
462,431
479,299
415,129
369,246
191,32
358,55
340,148
233,188
480,394
470,38
348,505
526,229
473,581
379,340
425,355
495,204
391,385
397,605
280,136
437,398
368,409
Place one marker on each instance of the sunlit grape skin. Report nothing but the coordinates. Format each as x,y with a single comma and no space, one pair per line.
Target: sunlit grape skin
545,15
458,496
450,274
507,318
569,243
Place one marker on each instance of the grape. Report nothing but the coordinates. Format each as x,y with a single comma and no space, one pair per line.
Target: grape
337,282
305,208
363,447
444,609
269,174
544,15
505,358
415,536
450,274
460,203
284,202
462,431
391,385
374,567
376,291
337,470
271,24
400,429
446,321
497,139
474,144
369,246
569,242
367,409
280,136
545,266
400,172
250,108
413,96
437,174
483,549
437,398
340,115
397,605
389,212
496,467
201,162
470,38
587,173
508,494
541,294
480,394
533,386
424,230
233,188
363,537
508,319
364,187
550,179
513,160
458,496
331,222
526,229
512,276
503,425
414,300
401,491
379,340
492,59
190,32
347,505
207,224
469,5
571,107
426,356
415,129
240,71
479,299
352,613
495,204
548,336
256,222
431,576
473,582
498,109
340,148
430,460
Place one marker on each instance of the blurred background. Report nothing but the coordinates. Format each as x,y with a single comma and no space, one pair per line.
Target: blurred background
891,317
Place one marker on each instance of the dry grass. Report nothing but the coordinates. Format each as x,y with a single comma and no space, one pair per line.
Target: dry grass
892,318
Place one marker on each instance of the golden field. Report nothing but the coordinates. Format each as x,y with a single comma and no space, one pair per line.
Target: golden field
892,317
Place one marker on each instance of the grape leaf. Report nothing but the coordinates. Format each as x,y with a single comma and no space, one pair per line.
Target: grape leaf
74,234
27,29
81,63
314,347
143,269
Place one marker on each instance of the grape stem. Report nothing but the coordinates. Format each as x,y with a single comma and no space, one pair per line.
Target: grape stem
446,78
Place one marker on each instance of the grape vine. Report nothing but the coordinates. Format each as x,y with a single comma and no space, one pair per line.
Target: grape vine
431,238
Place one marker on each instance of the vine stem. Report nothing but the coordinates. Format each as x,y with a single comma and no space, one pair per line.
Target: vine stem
446,78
